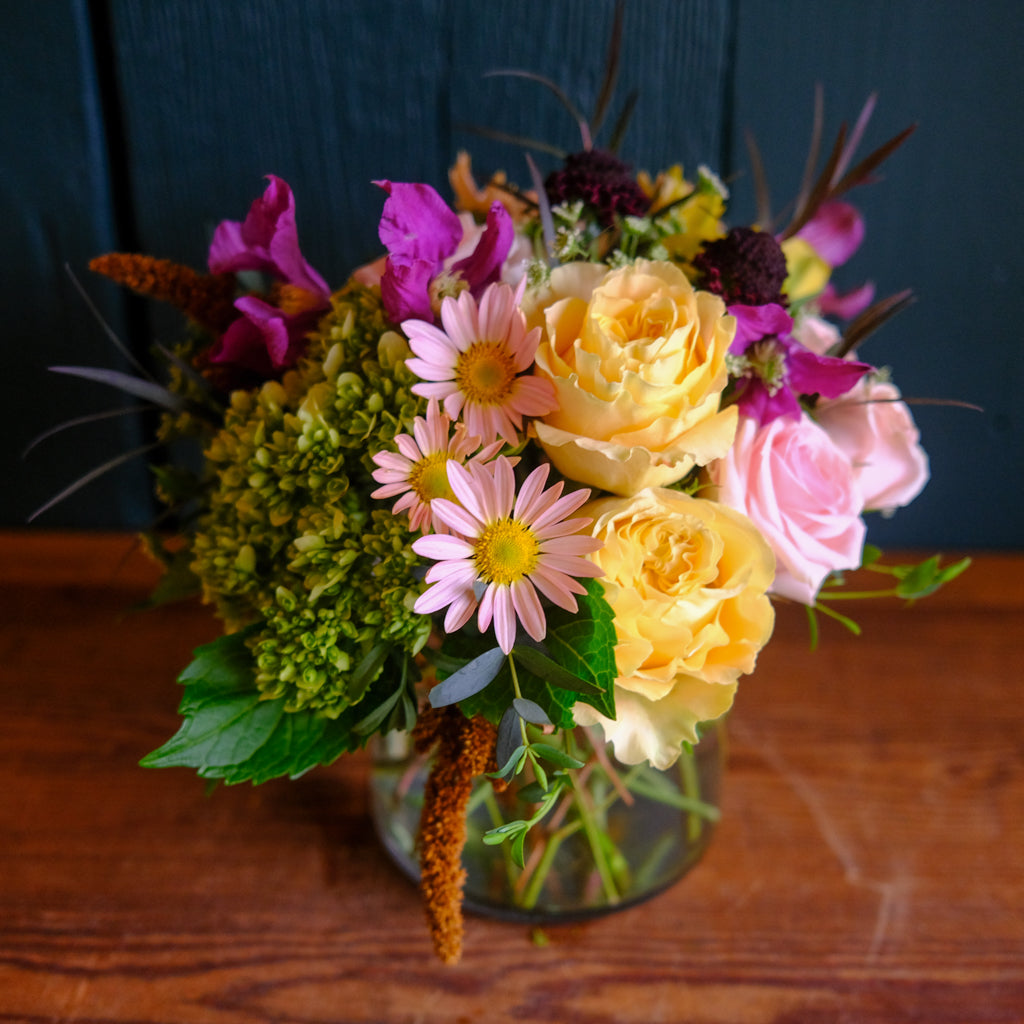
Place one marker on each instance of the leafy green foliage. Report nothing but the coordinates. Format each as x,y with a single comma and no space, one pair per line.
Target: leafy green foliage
576,662
912,582
231,733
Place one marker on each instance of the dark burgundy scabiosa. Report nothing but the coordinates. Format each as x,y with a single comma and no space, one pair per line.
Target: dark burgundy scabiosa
602,181
746,267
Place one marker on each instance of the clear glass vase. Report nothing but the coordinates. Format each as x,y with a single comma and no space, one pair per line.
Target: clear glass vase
618,834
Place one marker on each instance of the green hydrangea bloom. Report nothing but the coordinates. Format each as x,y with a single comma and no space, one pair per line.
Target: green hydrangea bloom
289,536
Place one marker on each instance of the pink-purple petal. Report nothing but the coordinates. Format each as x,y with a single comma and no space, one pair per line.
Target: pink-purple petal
483,266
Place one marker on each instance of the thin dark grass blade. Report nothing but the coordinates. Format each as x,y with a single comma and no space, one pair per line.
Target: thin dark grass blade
563,98
813,150
144,389
523,141
107,329
81,421
874,317
619,132
611,70
198,379
856,136
859,174
761,190
544,207
94,474
821,190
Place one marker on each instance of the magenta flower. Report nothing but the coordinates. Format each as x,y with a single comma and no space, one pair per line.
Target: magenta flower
835,233
512,545
269,336
421,232
772,369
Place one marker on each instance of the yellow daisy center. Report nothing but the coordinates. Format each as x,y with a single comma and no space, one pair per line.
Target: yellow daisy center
429,477
505,552
485,373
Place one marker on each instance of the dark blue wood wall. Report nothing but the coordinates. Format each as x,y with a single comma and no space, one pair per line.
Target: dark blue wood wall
138,124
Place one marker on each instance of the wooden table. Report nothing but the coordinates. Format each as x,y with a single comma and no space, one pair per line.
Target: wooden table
868,867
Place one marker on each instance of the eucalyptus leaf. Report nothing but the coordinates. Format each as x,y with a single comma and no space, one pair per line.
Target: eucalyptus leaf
509,736
556,756
530,711
468,680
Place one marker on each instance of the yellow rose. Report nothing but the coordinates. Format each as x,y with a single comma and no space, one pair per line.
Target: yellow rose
687,580
637,359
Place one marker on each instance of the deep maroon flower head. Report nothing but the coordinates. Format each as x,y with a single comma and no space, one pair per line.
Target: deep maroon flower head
602,181
746,267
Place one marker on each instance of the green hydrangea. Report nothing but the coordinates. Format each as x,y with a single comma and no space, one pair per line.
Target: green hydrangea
289,536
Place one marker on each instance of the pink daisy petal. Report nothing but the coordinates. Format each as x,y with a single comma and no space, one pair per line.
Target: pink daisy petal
576,544
504,488
442,547
566,528
457,571
409,451
533,487
426,369
528,609
504,618
455,517
443,391
460,611
557,587
466,484
486,613
534,396
439,596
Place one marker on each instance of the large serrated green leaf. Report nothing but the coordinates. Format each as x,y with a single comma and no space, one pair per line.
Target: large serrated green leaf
219,731
230,733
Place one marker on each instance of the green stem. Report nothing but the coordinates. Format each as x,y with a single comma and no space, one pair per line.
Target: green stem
858,595
592,832
691,787
540,874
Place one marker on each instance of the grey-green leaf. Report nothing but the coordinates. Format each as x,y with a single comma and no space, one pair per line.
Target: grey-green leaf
469,679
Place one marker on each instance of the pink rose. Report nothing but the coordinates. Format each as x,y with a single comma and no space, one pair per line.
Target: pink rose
800,491
816,333
879,437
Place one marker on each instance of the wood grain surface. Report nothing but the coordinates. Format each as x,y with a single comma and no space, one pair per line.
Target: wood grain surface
868,867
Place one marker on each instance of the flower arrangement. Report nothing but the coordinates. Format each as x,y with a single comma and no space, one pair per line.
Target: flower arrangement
528,485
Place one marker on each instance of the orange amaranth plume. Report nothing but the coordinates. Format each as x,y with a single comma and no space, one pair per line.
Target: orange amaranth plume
206,298
465,749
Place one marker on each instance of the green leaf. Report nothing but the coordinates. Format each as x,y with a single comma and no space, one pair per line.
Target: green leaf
871,555
509,736
551,672
581,643
555,756
584,644
469,680
530,711
920,580
230,733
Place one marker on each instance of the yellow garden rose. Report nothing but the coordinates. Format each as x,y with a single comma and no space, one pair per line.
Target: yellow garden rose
687,580
637,359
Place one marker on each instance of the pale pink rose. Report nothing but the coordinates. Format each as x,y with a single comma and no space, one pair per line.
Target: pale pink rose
816,333
799,490
878,435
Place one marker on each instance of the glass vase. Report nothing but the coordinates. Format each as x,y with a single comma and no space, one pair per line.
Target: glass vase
618,834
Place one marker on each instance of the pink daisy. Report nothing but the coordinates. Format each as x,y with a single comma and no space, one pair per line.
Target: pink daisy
418,471
514,545
475,364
